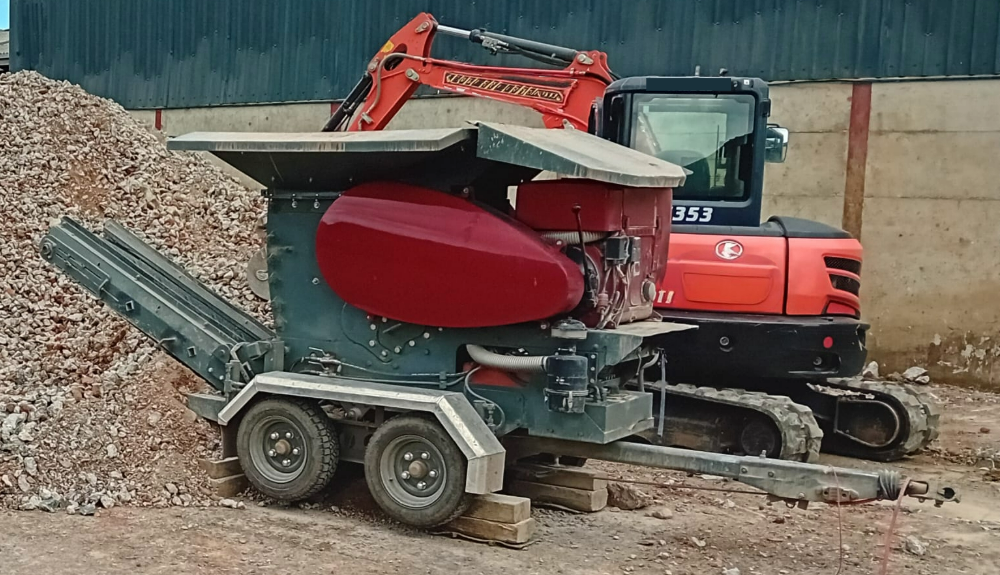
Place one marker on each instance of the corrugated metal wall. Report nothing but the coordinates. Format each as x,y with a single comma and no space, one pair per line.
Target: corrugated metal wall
183,53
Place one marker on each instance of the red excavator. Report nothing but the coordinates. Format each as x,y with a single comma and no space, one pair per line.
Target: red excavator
776,304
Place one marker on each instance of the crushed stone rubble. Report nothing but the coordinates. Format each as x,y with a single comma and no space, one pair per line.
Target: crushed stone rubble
91,414
913,375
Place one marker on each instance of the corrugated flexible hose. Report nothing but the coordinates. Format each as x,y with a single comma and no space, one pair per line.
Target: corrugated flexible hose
484,357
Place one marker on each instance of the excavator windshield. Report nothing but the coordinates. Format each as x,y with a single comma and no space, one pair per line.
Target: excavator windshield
711,135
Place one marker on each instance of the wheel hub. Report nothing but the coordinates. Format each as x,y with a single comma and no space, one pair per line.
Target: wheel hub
282,449
413,471
418,469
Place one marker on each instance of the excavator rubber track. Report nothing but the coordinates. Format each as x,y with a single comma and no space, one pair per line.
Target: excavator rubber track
920,418
703,417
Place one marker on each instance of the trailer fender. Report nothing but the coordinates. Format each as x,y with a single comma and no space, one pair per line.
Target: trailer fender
453,411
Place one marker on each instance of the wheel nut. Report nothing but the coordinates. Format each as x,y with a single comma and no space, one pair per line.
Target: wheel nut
286,462
422,485
271,453
407,456
405,475
288,435
425,455
432,473
295,451
274,436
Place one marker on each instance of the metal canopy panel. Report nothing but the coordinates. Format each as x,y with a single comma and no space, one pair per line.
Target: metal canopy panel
325,161
576,154
382,141
333,161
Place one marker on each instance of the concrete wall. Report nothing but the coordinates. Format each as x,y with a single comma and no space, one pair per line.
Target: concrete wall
932,228
931,212
810,184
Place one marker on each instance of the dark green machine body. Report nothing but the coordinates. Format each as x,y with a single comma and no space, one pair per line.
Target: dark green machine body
314,323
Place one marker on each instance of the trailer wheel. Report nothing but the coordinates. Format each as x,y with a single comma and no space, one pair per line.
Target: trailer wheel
288,448
415,472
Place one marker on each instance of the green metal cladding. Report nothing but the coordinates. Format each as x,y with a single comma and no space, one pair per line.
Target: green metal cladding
184,53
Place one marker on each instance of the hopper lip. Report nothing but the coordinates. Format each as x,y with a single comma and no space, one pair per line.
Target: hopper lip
430,140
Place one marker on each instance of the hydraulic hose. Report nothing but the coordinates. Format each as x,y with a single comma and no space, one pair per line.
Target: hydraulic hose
350,104
482,356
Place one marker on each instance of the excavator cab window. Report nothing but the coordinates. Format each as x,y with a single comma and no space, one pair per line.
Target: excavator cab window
711,135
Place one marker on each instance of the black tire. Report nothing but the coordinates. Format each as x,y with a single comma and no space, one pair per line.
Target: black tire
287,468
397,492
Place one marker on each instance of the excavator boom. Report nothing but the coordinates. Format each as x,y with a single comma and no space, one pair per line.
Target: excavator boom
563,97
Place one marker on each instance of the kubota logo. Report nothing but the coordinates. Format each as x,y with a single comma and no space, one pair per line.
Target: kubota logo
729,249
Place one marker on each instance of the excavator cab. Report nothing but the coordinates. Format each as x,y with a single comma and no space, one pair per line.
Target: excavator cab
714,127
723,259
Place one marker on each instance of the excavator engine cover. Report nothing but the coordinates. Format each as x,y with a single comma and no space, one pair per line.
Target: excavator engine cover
430,258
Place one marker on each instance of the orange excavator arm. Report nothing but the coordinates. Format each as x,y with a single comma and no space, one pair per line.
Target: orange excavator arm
562,96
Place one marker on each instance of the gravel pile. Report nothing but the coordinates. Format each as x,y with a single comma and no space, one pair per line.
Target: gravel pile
91,414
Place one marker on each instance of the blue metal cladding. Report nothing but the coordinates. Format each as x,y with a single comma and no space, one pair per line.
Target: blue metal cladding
183,53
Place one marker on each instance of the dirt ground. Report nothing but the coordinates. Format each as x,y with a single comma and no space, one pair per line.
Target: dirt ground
708,532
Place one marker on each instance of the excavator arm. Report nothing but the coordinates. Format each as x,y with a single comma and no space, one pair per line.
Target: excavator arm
562,96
